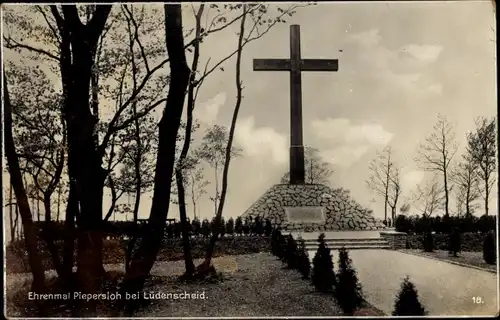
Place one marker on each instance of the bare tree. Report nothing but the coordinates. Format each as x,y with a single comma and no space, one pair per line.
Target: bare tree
317,171
436,153
72,46
481,146
380,177
39,131
35,262
212,150
466,178
144,258
206,266
429,198
180,178
198,185
394,191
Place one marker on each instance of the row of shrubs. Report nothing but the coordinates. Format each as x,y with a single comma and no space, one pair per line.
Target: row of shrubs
470,241
196,228
343,285
114,251
422,224
454,244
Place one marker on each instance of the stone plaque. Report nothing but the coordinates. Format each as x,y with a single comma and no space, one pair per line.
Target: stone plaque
305,214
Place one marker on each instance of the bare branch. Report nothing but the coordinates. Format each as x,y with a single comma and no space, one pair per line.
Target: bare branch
12,44
136,36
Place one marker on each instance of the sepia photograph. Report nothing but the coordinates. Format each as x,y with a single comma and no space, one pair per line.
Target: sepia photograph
250,160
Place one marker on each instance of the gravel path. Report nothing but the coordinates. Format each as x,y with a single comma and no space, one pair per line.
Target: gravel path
254,285
258,287
444,289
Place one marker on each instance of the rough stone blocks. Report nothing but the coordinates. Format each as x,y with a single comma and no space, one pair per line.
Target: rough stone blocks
340,211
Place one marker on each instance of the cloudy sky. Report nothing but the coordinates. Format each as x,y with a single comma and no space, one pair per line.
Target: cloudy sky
400,65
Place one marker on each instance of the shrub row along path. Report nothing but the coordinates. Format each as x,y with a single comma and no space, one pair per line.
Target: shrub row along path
443,288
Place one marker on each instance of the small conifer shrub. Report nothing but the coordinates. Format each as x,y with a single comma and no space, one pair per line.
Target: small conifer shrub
291,252
407,303
304,265
489,249
323,275
428,242
348,291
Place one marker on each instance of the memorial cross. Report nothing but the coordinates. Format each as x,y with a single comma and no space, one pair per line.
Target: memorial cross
295,65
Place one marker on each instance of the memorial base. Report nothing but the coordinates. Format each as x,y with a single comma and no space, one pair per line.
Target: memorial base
339,211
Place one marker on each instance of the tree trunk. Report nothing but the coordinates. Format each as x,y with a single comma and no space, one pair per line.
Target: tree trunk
47,207
386,199
143,260
188,260
58,203
78,49
38,207
193,198
11,215
206,266
16,222
386,196
69,229
446,193
216,188
34,259
48,236
137,172
114,199
486,195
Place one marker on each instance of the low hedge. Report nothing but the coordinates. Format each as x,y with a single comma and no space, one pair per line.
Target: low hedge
470,241
114,250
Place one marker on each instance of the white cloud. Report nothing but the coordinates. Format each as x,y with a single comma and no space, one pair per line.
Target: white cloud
344,156
411,179
263,141
351,141
424,53
207,112
400,68
343,131
366,38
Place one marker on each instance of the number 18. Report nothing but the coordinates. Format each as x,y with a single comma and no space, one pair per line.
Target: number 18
477,300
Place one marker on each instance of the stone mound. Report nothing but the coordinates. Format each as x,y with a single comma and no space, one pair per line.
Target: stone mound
340,211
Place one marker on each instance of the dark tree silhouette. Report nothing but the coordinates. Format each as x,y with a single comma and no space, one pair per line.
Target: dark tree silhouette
454,241
323,275
303,263
238,226
230,226
407,303
168,127
348,289
291,252
489,249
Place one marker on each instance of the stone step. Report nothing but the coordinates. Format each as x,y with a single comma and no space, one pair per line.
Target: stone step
349,243
315,241
355,247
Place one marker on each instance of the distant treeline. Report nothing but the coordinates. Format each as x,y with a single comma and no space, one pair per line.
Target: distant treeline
256,226
197,228
444,224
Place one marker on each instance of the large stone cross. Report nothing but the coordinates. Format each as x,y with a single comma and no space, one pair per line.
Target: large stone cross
295,65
